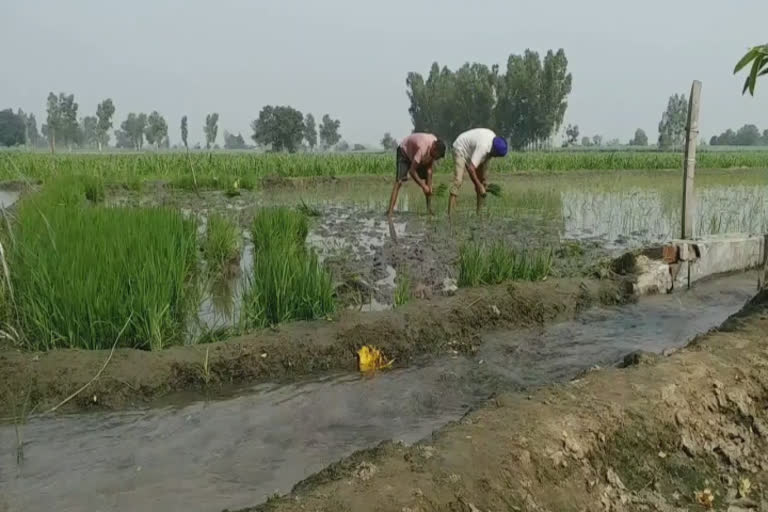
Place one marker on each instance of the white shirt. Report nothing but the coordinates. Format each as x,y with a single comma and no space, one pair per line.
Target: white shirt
474,145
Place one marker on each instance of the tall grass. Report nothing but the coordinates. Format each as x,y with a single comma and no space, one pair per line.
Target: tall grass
493,264
79,272
288,281
222,243
222,170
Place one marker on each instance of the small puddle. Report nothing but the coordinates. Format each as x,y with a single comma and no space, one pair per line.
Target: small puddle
8,197
236,452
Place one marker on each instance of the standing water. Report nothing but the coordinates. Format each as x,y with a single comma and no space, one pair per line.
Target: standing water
236,452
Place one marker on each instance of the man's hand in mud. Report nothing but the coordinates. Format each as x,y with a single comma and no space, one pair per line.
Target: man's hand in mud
427,189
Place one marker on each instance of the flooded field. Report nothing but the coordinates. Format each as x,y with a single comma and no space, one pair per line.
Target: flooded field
585,218
195,454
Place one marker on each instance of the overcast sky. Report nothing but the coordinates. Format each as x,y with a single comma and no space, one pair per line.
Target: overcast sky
350,58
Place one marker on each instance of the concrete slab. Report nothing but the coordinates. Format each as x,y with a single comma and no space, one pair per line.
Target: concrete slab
686,261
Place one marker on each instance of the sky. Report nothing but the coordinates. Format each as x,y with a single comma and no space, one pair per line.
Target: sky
350,58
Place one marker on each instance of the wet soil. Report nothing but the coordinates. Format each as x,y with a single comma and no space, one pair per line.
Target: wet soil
688,431
191,452
440,325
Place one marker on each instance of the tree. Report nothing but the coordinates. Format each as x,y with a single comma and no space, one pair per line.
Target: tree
613,143
53,119
310,131
526,104
211,129
388,143
123,140
572,134
764,138
184,132
358,147
342,146
90,132
233,141
133,130
597,140
758,57
104,112
281,127
672,124
156,129
640,138
12,129
727,138
329,131
748,135
586,141
31,135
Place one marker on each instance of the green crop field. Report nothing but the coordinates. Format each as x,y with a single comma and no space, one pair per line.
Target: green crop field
221,170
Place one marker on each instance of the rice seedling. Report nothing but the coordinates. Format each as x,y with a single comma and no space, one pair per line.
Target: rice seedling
482,264
309,211
441,190
278,225
494,189
287,281
403,293
78,273
222,244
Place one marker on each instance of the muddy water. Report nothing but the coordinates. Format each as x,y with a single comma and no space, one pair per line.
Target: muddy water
234,452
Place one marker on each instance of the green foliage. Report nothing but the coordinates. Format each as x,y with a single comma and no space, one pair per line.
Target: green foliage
233,141
132,131
220,170
572,134
526,104
281,127
481,264
211,129
156,130
758,57
310,131
403,294
12,129
184,131
62,119
673,121
329,132
747,135
104,112
287,282
640,138
222,243
89,131
79,272
388,142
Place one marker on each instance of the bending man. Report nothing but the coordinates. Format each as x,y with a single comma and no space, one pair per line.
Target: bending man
415,157
473,150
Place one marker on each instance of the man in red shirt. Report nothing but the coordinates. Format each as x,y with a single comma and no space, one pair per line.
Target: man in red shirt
416,155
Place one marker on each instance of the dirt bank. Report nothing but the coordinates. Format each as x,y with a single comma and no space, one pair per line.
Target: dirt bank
684,432
427,326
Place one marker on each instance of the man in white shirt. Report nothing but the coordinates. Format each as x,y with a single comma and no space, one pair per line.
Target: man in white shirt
472,150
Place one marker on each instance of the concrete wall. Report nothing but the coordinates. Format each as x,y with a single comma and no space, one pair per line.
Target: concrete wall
684,261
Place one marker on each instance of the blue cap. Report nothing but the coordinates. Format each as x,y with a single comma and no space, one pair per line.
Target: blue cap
499,146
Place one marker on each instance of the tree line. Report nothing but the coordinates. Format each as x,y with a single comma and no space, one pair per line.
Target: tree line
278,128
526,103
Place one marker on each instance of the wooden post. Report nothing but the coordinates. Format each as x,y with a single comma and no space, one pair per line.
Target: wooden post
762,274
689,164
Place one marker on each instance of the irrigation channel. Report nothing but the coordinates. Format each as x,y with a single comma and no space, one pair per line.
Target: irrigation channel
198,454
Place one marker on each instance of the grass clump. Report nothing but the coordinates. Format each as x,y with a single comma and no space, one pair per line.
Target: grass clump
78,273
221,245
287,282
403,294
481,264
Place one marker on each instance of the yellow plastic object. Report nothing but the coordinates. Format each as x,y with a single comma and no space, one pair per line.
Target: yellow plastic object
371,359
